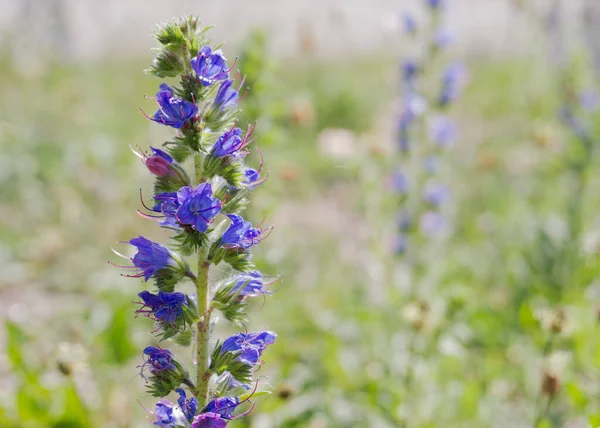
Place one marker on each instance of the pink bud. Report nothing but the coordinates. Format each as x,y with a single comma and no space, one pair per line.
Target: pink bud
158,166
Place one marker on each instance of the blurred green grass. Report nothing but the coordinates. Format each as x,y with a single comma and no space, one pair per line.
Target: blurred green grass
69,190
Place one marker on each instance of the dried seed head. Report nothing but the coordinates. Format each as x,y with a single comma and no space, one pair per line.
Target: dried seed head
550,384
559,318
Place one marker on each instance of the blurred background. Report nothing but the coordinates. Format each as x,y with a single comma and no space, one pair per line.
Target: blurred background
451,284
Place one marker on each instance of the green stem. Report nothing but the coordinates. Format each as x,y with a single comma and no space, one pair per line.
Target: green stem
202,331
203,324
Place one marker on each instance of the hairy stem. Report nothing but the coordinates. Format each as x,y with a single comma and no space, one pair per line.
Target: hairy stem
202,331
203,324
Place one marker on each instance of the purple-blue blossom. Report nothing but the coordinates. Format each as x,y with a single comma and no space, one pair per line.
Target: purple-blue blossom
150,257
198,207
404,221
406,119
452,83
226,96
401,244
400,182
250,284
409,72
240,233
409,23
249,345
228,144
209,420
252,178
574,123
223,406
435,4
589,100
443,37
443,131
189,406
167,205
210,66
159,359
165,307
168,415
432,223
436,194
173,111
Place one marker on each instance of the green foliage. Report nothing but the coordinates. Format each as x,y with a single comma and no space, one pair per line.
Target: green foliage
226,362
118,347
230,303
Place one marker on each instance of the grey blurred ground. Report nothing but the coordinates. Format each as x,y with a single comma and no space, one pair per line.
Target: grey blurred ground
94,29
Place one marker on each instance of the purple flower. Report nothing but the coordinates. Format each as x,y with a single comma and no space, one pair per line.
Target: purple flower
409,72
226,95
209,420
249,345
167,415
443,131
223,406
229,143
435,4
189,406
432,223
409,23
589,100
401,244
443,37
406,119
167,204
166,307
173,111
197,206
240,233
250,284
400,182
436,194
210,66
159,359
452,82
150,257
574,123
252,178
404,220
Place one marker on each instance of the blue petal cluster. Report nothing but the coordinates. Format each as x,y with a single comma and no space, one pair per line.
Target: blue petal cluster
167,415
159,359
223,406
249,345
197,207
150,257
165,307
240,233
209,420
173,111
189,406
250,284
228,144
226,95
210,66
